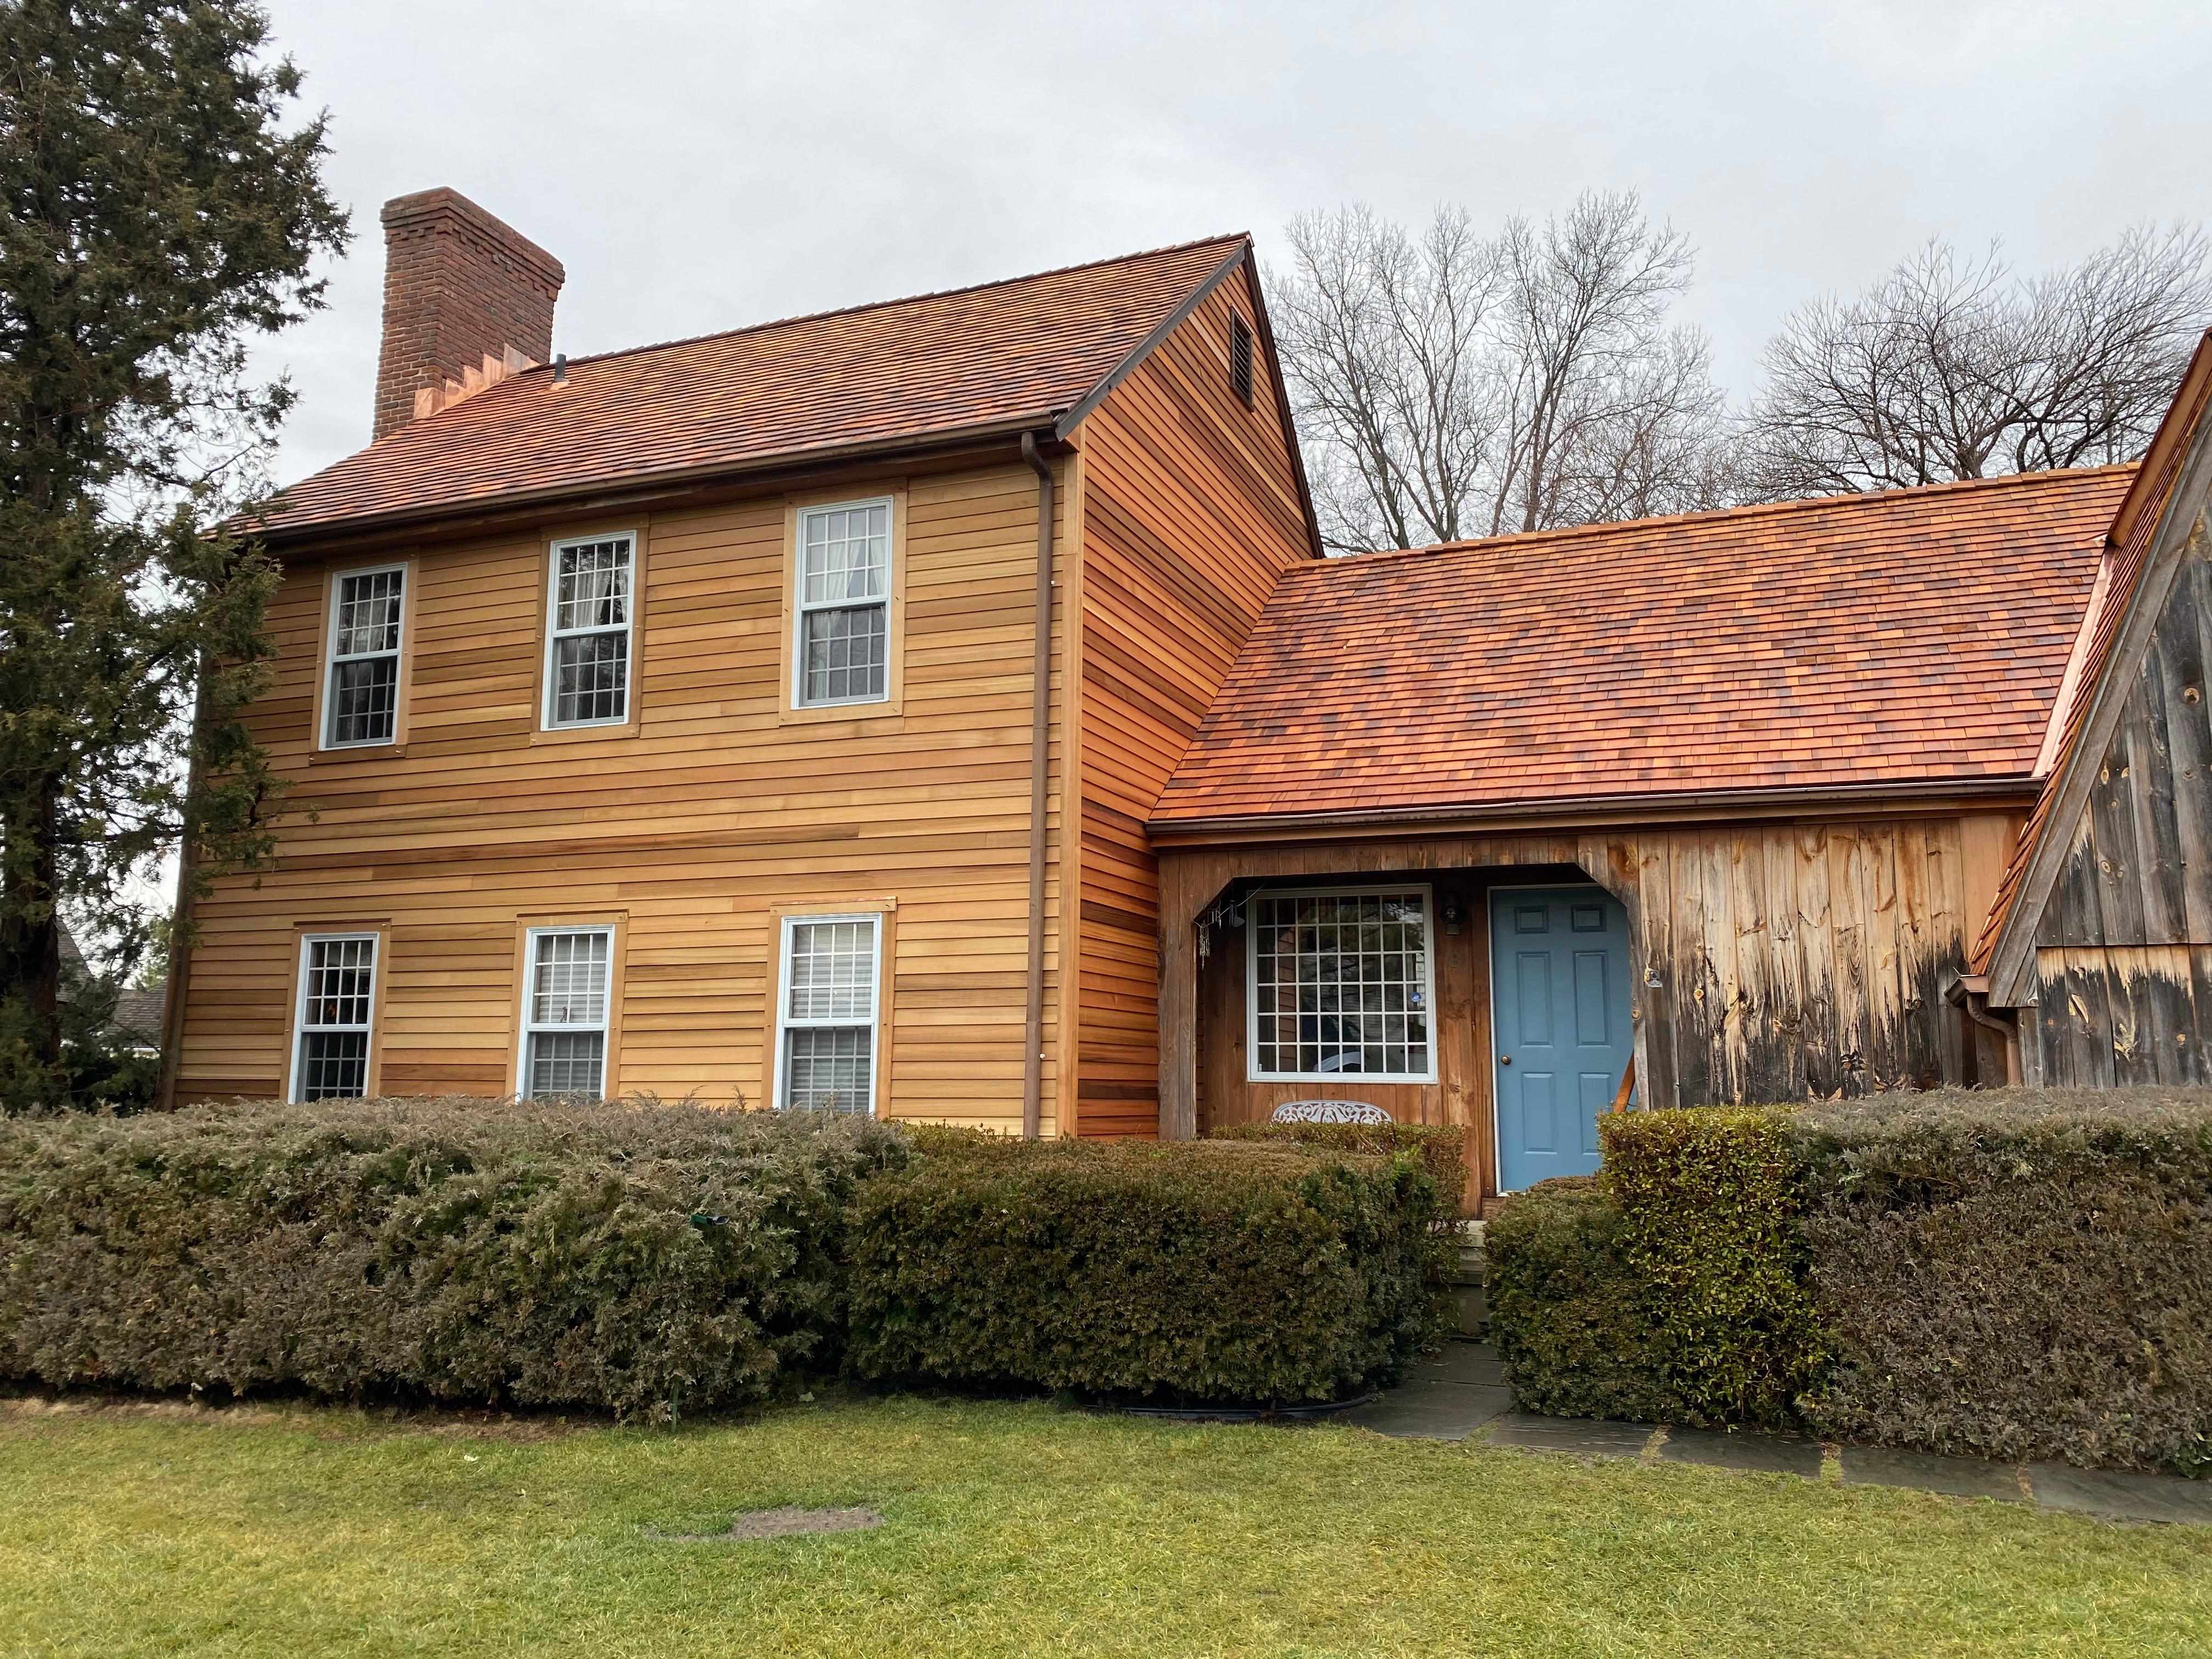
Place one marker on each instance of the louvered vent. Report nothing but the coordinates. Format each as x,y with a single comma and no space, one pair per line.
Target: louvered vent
1240,360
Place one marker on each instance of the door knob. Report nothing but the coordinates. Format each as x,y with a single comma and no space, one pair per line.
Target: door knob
1506,1059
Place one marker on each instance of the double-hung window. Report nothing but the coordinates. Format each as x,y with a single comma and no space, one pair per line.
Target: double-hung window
564,1012
1341,986
826,1024
588,632
337,1003
360,694
842,648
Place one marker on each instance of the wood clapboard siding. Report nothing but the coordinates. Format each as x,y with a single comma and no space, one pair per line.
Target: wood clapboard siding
2124,944
1770,961
692,828
1191,508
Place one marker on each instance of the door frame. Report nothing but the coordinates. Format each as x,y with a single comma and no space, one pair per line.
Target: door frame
1490,948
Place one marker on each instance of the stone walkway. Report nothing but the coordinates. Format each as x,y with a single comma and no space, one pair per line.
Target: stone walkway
1461,1395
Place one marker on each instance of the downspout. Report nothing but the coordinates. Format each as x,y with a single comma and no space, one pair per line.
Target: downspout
1040,758
1971,993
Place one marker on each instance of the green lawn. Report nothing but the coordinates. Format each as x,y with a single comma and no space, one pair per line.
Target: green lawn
1013,1529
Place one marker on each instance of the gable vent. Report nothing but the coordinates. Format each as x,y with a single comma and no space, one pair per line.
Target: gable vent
1240,360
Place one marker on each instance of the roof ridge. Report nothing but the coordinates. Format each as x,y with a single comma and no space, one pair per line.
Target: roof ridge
1710,515
901,300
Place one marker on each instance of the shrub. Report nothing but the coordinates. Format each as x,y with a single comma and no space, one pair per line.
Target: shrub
1440,1146
1711,1200
1191,1272
636,1260
2017,1274
1567,1316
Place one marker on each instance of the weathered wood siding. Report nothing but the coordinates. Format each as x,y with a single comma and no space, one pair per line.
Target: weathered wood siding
1190,510
692,828
1771,962
2123,945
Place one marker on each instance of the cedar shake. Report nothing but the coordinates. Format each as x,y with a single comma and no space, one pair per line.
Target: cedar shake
458,287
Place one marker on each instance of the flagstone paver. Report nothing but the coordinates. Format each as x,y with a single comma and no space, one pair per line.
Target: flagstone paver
1957,1477
1761,1454
2121,1494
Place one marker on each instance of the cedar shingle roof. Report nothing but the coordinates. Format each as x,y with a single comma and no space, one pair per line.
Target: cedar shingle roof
1916,636
2130,536
1029,348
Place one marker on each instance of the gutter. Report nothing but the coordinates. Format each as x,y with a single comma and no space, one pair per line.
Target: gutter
1040,758
1971,993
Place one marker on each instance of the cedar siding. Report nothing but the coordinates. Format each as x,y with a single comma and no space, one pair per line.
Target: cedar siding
1191,507
692,828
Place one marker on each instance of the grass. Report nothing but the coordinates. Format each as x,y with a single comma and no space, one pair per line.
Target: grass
1013,1529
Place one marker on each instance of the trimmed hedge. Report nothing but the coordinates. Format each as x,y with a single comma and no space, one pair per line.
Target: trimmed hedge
2017,1274
1670,1288
1441,1146
1200,1272
455,1250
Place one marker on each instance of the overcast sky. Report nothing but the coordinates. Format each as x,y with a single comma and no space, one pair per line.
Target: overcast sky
701,166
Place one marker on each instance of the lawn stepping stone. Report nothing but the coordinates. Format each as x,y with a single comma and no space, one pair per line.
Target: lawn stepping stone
1434,1409
2122,1494
1756,1454
1576,1436
1954,1477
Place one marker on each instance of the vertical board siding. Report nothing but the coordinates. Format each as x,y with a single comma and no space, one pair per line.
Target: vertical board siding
715,812
1190,510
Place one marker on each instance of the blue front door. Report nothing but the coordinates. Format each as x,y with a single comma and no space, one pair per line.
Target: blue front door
1559,998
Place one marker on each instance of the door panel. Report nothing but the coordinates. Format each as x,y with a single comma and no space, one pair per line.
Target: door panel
1559,961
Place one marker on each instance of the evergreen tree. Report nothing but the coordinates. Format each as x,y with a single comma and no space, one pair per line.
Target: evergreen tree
156,213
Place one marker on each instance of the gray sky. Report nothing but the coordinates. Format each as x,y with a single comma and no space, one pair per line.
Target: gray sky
698,167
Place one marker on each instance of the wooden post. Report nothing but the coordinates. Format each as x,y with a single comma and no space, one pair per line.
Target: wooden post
1178,981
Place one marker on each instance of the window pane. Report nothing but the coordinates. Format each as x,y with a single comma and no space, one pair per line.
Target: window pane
832,971
829,1069
848,653
1337,984
591,678
594,587
341,978
364,700
566,1062
333,1064
847,555
569,985
368,613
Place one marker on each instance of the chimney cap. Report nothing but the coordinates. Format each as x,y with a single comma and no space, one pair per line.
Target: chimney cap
423,207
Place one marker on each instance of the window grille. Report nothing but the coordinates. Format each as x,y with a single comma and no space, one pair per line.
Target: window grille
844,613
338,1001
1240,361
588,632
828,1018
1340,985
564,1012
361,701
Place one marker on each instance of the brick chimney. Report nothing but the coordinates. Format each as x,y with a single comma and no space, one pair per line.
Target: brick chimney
462,293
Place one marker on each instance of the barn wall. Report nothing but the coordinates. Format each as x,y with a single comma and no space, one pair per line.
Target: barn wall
2124,944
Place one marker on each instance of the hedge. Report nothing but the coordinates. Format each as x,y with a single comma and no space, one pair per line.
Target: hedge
1198,1273
1440,1146
1674,1287
638,1260
2017,1274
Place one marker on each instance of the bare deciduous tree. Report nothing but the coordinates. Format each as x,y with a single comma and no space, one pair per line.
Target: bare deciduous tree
1953,367
1458,386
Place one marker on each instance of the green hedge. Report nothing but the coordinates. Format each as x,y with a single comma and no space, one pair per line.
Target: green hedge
457,1250
1196,1272
1440,1146
2017,1274
1673,1286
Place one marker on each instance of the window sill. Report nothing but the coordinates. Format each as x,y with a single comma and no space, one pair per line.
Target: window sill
358,752
856,713
583,733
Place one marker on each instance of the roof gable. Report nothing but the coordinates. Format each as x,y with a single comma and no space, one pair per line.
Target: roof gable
2150,535
1912,638
1023,352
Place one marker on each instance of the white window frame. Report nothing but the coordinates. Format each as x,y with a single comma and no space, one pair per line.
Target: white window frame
530,1028
1252,1071
785,1024
555,634
327,739
802,608
367,1028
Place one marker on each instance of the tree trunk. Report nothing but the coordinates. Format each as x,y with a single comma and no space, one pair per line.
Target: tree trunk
31,951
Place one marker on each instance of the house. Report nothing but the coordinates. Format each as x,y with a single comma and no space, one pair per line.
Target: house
941,709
